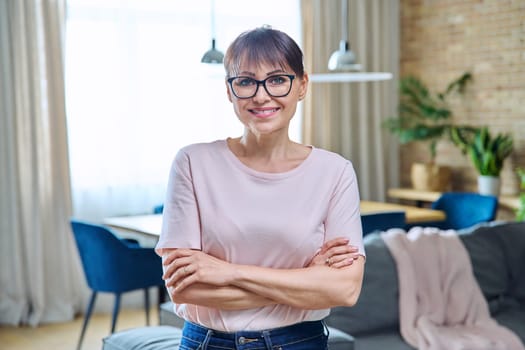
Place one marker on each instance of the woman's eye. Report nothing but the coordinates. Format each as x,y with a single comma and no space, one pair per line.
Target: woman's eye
245,82
277,80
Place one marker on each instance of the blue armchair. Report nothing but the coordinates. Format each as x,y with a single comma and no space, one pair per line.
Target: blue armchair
465,209
382,221
114,265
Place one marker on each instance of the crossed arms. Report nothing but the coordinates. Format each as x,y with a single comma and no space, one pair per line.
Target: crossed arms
194,277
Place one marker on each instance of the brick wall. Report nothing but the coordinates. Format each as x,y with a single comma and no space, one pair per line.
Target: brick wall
441,39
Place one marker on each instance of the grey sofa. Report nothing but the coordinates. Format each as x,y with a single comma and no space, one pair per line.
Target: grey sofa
497,252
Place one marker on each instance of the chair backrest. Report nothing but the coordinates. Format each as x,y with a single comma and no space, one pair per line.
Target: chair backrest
158,209
465,209
102,255
98,248
382,221
112,264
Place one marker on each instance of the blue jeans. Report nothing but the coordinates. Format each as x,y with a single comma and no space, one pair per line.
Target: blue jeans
312,335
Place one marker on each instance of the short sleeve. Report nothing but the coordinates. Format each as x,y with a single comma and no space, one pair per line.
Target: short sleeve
344,215
180,218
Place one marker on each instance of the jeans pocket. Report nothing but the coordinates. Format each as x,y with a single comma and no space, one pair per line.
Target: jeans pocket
183,347
189,344
319,342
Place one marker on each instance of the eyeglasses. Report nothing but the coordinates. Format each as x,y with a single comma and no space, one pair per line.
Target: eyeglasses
275,85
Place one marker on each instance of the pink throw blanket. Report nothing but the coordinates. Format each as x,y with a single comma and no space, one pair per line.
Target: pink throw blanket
441,306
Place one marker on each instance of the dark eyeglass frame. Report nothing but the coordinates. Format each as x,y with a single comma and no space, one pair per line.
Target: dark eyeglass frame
263,83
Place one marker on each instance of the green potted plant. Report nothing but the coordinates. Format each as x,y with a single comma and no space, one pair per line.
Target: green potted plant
520,213
425,117
487,154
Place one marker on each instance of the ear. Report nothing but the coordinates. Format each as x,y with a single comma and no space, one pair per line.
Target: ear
303,86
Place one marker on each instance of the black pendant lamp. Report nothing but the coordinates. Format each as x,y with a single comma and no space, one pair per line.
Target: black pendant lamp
212,55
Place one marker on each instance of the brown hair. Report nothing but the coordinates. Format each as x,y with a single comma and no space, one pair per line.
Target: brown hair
264,45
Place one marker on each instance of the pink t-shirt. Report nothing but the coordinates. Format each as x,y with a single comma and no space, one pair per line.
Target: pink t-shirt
219,205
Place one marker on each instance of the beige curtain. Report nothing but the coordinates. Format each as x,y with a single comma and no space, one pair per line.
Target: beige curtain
346,117
40,276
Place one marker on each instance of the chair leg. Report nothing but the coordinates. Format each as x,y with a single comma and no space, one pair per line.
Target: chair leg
162,295
162,298
146,305
115,312
86,318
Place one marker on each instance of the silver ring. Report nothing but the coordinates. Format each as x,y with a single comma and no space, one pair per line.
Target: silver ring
328,261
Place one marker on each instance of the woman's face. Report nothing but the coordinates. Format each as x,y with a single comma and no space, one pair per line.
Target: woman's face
264,114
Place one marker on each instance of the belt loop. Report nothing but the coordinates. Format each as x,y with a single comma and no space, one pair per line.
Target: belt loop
206,340
267,340
326,328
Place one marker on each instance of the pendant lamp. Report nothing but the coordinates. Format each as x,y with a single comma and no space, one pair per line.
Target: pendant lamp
343,64
344,59
212,55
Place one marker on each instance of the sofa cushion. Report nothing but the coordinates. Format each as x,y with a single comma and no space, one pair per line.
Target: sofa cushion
488,260
512,317
168,317
390,340
512,237
168,337
144,338
497,253
339,340
377,307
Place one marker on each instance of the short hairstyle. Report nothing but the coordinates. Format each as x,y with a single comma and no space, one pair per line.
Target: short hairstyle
264,45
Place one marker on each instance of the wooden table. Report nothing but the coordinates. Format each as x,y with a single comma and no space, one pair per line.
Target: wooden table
151,225
419,196
412,214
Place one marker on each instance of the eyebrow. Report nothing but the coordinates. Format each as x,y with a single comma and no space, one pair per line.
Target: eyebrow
267,74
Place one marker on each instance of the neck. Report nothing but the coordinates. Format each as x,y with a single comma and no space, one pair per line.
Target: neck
265,146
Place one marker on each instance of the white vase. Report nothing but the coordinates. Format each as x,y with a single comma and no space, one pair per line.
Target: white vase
489,185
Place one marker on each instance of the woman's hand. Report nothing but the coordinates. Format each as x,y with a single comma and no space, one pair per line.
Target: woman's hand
183,267
335,253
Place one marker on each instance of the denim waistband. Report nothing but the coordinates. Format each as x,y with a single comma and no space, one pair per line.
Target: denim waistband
299,329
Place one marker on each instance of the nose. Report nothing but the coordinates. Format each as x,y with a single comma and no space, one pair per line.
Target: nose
261,95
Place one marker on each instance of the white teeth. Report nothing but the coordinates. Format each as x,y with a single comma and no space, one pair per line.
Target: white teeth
266,111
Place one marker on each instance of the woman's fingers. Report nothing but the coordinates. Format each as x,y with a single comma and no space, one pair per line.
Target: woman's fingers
339,250
339,254
343,260
186,267
175,254
339,241
336,251
180,277
174,266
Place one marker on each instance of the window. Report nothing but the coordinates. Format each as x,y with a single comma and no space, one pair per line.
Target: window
136,91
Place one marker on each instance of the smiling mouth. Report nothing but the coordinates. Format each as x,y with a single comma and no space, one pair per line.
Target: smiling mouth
264,113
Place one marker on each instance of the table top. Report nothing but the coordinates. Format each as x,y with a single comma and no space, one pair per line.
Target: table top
511,202
412,214
151,224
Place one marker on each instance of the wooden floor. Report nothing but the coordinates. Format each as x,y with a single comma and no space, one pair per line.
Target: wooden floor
64,336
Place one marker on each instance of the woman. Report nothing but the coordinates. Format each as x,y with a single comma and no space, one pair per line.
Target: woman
261,235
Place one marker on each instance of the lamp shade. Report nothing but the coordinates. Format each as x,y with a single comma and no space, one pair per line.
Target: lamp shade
350,77
343,59
212,55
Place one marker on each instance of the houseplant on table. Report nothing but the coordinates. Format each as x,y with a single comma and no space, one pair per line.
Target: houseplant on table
425,117
487,154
